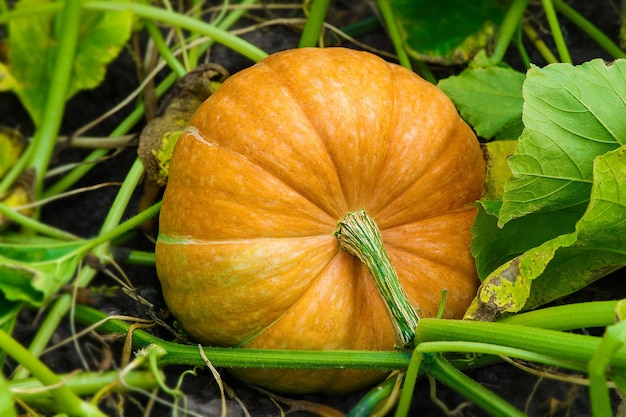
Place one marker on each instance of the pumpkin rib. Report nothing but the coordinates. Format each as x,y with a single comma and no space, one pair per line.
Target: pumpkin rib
429,301
313,281
200,137
354,92
460,215
409,148
276,76
391,248
436,189
403,257
362,300
242,321
393,123
293,153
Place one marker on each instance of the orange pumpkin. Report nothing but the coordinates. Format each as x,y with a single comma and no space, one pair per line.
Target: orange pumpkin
259,180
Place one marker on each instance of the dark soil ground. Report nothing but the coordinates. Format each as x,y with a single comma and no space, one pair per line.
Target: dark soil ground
83,215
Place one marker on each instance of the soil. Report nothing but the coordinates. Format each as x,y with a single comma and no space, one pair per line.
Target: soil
83,214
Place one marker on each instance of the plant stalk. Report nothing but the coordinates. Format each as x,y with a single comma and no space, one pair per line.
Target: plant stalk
184,22
394,33
557,34
439,368
70,402
567,316
136,115
85,383
565,346
614,339
507,29
177,354
359,235
312,31
596,34
45,136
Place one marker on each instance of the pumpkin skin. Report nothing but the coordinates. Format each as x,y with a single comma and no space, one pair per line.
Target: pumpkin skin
266,168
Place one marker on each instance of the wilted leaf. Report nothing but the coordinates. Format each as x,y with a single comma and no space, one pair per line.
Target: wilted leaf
33,45
447,31
489,99
12,144
571,115
102,36
17,198
568,262
158,138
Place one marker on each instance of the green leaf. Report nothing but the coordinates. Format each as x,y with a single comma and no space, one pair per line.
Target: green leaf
568,262
38,252
8,314
447,31
489,99
102,36
493,246
33,273
571,115
32,48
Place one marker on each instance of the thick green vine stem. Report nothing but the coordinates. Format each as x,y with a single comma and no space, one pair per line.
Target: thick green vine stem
359,235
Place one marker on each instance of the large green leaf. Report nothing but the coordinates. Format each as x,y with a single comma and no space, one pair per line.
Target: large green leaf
33,45
493,246
447,31
571,115
489,99
567,262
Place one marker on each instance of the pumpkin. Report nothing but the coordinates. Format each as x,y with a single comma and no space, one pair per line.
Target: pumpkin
269,164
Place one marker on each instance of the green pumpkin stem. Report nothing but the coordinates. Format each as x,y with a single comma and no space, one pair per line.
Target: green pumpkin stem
359,235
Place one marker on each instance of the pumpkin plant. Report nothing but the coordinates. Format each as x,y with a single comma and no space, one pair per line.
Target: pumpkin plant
249,252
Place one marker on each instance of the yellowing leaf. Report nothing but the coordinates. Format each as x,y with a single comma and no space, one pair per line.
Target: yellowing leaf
33,44
447,31
498,171
7,82
17,197
11,146
158,138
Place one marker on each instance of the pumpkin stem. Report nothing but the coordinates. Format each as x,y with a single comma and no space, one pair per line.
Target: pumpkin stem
359,235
